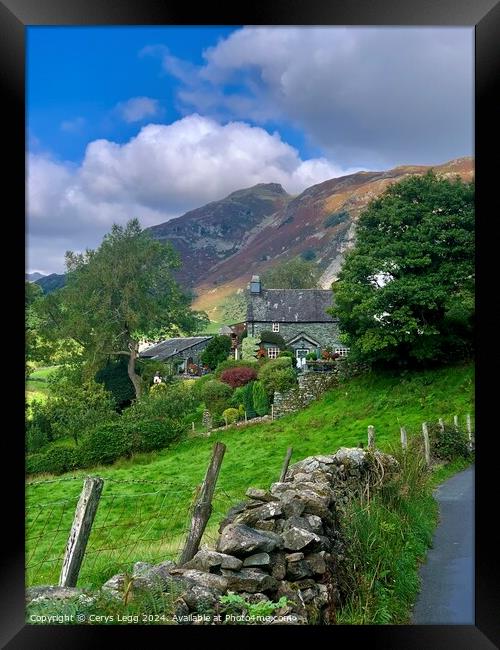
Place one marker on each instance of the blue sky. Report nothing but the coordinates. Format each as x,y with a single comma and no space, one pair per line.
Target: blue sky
154,121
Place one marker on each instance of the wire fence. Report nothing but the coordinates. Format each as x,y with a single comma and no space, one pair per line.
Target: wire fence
135,520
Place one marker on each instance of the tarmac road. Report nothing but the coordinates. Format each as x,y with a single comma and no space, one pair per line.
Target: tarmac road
447,595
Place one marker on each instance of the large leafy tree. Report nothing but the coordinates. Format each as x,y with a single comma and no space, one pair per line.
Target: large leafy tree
118,294
405,293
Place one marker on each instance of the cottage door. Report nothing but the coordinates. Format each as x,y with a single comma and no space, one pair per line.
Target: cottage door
301,353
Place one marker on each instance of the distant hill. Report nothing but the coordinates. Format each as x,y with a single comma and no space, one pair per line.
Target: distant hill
223,243
51,282
32,277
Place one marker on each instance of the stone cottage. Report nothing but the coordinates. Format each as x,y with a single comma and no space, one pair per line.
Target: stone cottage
298,315
181,351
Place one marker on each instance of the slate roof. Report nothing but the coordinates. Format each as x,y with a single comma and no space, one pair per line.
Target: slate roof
290,306
171,347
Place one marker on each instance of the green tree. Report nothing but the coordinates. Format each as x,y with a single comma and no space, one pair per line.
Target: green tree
405,293
217,350
118,294
296,273
260,398
37,349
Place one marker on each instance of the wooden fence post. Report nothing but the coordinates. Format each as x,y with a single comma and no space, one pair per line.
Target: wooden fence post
80,530
203,506
192,426
272,411
404,439
455,422
371,437
246,418
427,449
441,425
469,429
286,462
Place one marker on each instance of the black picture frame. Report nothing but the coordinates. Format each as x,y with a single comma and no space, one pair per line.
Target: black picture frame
484,15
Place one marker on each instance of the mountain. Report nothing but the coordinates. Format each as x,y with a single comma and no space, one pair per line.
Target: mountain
51,282
223,243
319,224
32,277
219,230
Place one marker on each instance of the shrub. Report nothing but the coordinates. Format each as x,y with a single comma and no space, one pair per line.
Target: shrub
231,415
233,363
40,419
76,405
260,398
105,444
57,460
277,375
216,396
36,438
217,350
249,347
247,399
312,356
448,444
197,387
236,377
290,354
158,418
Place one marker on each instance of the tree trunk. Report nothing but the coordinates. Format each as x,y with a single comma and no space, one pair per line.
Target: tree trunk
134,377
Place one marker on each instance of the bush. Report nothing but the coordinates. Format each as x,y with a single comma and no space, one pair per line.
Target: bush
36,438
231,415
40,420
249,347
247,399
233,363
236,377
57,460
290,354
216,396
449,443
260,398
105,444
197,387
312,356
158,418
217,350
277,375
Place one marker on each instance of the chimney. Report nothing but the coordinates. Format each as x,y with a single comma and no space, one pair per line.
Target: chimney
255,285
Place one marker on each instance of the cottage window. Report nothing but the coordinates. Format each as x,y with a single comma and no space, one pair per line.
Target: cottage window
276,327
343,352
272,353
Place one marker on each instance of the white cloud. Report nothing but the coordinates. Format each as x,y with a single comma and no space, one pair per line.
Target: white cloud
372,96
159,174
138,108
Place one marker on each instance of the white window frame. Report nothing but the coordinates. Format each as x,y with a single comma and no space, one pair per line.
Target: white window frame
343,352
272,353
276,327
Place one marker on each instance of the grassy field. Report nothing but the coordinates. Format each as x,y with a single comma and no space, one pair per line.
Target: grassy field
37,386
144,509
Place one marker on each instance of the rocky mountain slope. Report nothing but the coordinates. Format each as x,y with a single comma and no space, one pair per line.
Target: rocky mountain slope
320,223
224,242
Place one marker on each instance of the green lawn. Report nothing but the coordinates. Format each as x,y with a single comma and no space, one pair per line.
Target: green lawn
37,386
137,521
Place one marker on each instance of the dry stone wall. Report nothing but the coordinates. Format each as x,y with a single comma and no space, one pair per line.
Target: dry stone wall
285,541
311,386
